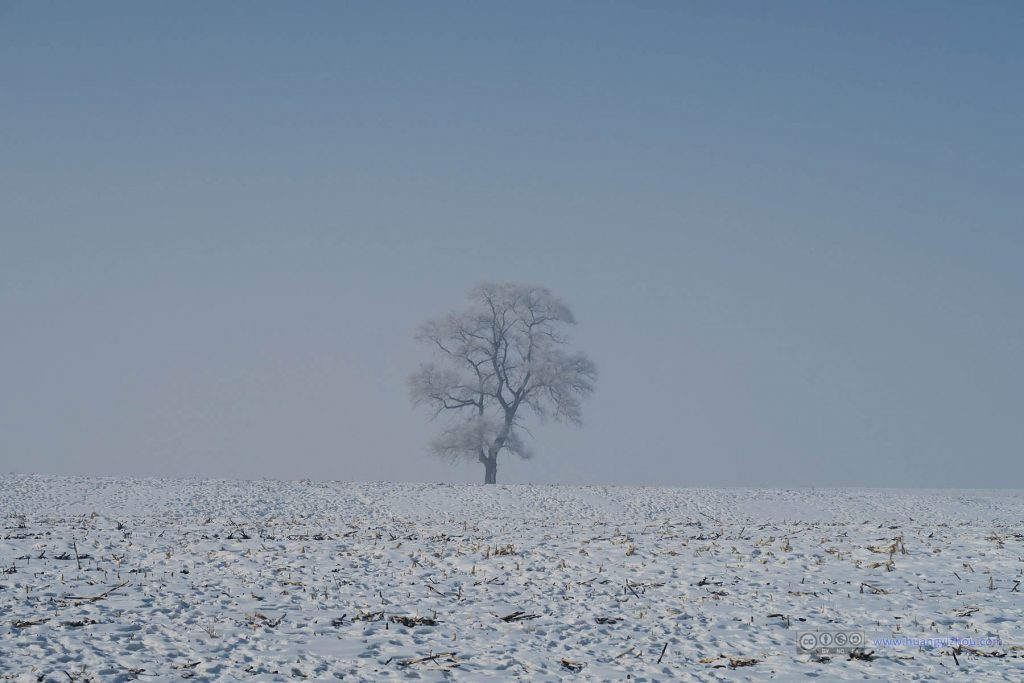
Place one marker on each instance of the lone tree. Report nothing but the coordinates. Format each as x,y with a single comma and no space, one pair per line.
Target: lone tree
499,358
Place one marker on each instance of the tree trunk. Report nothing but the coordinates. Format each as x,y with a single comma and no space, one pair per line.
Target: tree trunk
490,459
491,469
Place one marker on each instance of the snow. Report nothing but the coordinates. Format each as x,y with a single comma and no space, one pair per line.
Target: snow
273,581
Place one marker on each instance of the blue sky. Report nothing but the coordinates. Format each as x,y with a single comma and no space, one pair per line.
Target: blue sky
792,233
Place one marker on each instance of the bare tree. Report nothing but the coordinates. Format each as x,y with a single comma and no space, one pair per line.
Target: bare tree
501,355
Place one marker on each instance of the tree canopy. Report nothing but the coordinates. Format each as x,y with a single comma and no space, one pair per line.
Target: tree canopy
501,358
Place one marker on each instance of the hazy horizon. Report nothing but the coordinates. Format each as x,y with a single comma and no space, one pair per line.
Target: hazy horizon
792,235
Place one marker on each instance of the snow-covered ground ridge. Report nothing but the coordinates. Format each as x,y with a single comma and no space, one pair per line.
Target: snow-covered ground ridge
161,579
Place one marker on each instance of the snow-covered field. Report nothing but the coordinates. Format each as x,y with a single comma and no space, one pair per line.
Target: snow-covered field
155,579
